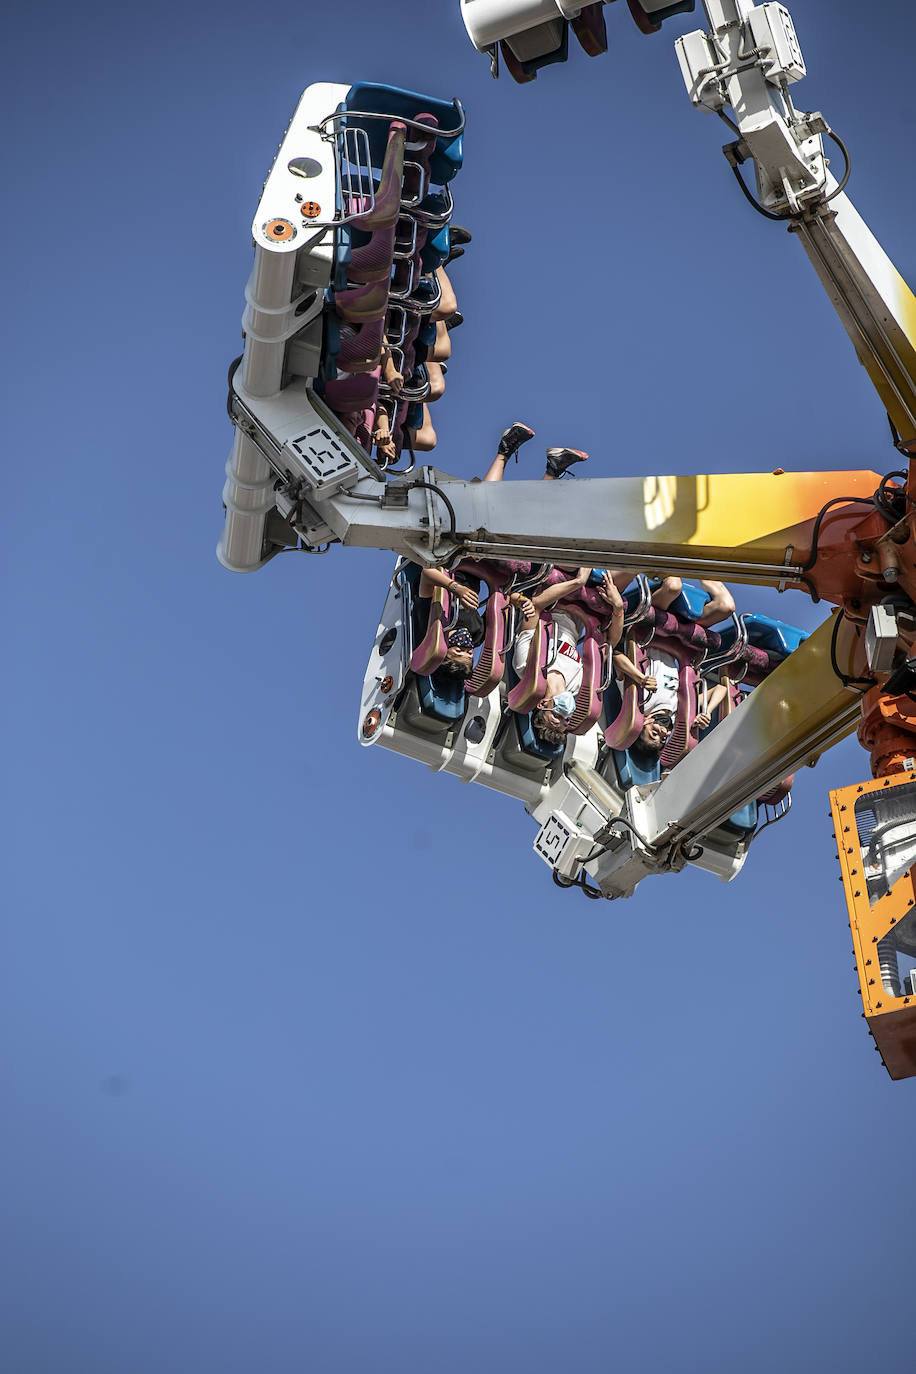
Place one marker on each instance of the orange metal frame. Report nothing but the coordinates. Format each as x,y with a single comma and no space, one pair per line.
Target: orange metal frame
891,1020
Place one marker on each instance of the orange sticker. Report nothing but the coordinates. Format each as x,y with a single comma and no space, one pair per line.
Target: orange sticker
311,209
280,230
371,723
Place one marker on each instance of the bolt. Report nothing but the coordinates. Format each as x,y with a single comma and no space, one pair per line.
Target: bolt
879,1004
867,962
857,894
845,829
871,982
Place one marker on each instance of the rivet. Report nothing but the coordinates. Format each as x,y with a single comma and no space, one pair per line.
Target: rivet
879,1004
845,829
871,982
867,962
857,894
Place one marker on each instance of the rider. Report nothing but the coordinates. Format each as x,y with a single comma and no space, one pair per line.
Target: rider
660,687
550,720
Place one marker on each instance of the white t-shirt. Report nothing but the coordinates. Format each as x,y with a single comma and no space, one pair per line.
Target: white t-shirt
567,660
663,667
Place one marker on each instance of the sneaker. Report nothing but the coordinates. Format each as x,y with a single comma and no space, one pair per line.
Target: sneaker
559,459
513,438
454,320
457,234
453,253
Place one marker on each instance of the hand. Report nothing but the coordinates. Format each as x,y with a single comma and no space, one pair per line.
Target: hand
702,721
582,576
649,683
609,593
522,603
466,595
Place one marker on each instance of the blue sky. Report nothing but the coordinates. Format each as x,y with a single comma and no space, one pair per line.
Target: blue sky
307,1065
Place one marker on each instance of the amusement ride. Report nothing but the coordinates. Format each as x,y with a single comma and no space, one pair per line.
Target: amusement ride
498,658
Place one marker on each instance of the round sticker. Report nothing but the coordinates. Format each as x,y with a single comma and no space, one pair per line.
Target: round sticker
311,209
279,230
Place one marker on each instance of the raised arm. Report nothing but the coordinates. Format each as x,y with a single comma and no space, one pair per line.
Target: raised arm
625,667
438,577
549,596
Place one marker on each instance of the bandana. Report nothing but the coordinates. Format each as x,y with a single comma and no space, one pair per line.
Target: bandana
460,639
564,703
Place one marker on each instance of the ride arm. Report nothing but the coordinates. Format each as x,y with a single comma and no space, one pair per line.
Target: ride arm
746,63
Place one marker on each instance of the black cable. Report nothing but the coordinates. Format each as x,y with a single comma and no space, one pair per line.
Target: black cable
884,498
767,214
431,486
846,680
594,893
233,368
815,533
845,151
793,214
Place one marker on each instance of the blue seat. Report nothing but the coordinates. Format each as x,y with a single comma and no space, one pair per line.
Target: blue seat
445,700
766,633
689,604
435,250
402,104
532,744
743,822
633,774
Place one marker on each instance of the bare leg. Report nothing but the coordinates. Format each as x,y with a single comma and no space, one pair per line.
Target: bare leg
436,381
424,438
442,348
669,591
721,603
448,303
510,442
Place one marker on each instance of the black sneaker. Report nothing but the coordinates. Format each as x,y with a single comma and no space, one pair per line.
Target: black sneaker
513,438
454,319
458,235
559,459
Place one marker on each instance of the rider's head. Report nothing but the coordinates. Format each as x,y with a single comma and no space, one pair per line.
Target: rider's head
654,735
459,659
550,720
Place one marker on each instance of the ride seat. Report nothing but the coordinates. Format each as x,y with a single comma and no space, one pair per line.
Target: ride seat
763,632
446,158
632,774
